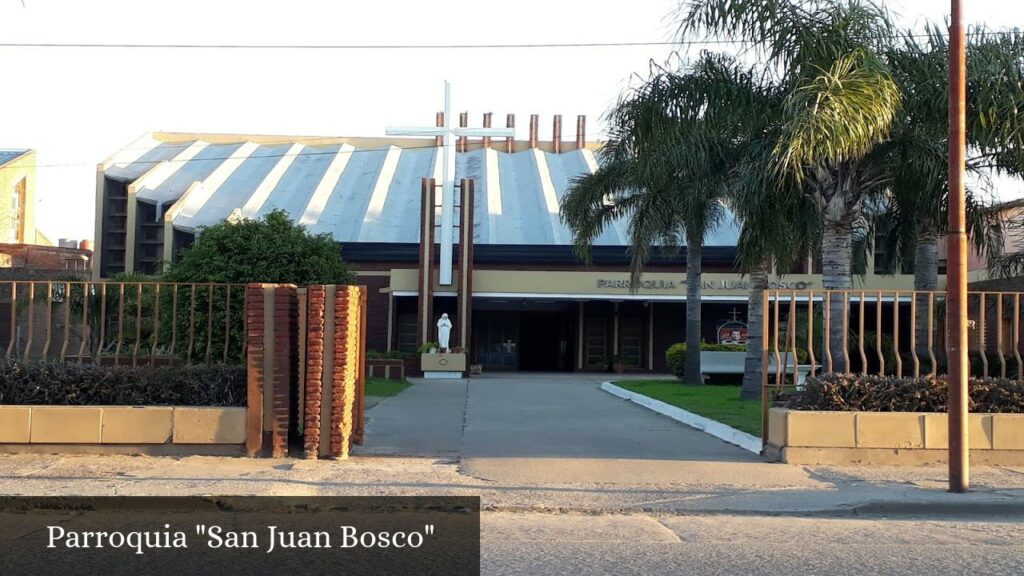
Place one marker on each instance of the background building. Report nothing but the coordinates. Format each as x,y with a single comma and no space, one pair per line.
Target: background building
534,304
18,198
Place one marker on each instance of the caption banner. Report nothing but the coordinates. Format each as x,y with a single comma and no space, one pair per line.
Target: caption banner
239,535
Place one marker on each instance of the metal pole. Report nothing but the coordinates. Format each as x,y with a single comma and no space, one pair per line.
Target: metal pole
956,254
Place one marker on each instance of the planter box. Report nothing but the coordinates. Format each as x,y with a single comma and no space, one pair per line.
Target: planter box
113,425
722,362
393,368
446,365
900,438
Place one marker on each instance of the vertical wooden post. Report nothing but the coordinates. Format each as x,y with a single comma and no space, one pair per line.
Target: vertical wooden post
956,250
425,311
465,299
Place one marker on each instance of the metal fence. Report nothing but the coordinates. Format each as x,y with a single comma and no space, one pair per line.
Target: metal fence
130,323
899,333
883,332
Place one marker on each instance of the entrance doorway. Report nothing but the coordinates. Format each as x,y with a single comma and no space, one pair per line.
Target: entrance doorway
532,336
545,343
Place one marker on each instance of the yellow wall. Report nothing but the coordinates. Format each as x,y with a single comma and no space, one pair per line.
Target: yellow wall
10,175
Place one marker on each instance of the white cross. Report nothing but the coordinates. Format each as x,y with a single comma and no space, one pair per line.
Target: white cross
448,132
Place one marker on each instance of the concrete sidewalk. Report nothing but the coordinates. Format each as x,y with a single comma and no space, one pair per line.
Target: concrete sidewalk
812,491
554,428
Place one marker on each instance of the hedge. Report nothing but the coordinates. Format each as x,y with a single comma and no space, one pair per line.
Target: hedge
869,393
56,383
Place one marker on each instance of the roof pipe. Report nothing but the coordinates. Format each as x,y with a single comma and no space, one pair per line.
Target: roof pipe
510,122
439,122
463,144
581,132
556,134
487,124
534,121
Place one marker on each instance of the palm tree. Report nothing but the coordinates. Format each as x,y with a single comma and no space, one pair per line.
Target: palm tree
780,227
841,102
915,216
673,142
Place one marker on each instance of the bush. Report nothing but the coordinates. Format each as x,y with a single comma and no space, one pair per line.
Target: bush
272,249
869,393
56,383
675,356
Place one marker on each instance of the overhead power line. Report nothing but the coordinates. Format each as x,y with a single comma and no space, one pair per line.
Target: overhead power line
358,46
481,46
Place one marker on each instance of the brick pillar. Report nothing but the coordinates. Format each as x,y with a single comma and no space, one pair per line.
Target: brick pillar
271,361
347,348
316,298
425,311
284,357
254,322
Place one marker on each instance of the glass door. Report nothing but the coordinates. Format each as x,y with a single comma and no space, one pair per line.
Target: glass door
496,340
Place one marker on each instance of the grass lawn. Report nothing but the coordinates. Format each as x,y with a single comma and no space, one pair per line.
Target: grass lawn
721,403
384,386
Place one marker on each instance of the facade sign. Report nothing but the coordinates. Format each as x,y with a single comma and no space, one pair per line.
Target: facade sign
648,284
741,285
737,285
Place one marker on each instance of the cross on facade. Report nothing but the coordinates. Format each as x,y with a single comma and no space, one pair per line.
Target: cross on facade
448,133
735,314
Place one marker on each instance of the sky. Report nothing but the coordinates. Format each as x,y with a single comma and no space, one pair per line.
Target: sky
77,106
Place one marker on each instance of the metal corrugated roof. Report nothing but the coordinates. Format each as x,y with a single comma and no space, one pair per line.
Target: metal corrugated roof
8,155
362,194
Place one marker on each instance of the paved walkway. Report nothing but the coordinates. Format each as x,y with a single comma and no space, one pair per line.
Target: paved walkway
551,428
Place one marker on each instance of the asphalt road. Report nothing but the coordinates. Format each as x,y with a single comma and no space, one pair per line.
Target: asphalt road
538,544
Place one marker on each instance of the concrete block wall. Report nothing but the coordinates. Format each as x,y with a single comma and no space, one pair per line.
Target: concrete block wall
902,438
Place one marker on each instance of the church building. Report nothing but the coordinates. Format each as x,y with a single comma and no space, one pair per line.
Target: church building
489,249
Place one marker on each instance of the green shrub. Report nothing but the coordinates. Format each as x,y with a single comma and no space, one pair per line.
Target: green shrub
675,356
869,393
271,249
90,385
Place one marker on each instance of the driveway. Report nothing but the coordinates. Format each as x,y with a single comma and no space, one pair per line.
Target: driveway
546,428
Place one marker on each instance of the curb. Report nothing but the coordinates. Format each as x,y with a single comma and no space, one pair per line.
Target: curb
888,509
713,427
939,508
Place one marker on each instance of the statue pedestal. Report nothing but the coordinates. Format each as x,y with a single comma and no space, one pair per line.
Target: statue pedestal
451,365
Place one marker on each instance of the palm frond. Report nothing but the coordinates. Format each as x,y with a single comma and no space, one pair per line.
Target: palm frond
839,115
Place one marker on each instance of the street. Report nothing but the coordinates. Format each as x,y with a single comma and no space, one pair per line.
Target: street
540,544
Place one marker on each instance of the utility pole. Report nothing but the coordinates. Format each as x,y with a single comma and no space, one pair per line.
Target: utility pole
956,255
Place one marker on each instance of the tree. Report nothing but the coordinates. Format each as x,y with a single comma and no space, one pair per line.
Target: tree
272,249
840,103
915,210
666,167
1011,264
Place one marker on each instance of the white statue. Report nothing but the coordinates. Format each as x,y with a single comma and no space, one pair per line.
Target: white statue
444,331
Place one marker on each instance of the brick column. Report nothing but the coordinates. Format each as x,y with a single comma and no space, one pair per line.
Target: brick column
255,326
347,347
285,346
315,301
